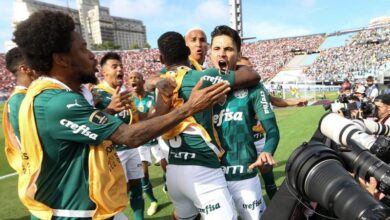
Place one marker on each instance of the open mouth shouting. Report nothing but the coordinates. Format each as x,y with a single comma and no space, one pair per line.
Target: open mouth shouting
223,66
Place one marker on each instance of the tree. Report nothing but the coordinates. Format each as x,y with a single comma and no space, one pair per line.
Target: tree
147,45
134,46
107,45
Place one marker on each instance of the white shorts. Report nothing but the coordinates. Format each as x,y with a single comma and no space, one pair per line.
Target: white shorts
163,147
196,189
146,151
131,164
260,145
248,197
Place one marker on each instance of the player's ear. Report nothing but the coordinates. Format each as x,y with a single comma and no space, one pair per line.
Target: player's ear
162,59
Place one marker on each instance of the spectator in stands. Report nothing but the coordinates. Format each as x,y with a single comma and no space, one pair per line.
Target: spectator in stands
346,85
382,103
371,90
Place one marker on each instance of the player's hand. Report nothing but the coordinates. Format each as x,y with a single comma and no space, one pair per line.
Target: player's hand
202,99
258,129
264,159
166,86
119,101
371,188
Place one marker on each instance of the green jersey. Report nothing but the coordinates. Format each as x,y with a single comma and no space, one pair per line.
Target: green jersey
104,100
234,120
144,105
191,149
13,112
66,125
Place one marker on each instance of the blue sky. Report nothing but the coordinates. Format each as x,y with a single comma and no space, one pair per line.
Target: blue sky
263,19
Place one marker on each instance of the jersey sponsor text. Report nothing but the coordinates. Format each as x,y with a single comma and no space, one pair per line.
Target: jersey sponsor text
184,155
209,208
215,79
226,115
252,205
233,169
82,129
264,102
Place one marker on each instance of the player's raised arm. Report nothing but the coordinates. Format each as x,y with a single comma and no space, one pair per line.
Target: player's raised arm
139,133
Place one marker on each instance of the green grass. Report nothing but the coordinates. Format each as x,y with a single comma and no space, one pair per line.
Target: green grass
296,126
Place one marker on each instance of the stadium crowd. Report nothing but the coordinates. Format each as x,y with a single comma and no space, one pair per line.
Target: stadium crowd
366,54
269,56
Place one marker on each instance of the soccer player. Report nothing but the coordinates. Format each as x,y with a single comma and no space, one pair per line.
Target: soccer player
196,184
112,71
144,102
16,64
267,174
234,118
196,41
70,167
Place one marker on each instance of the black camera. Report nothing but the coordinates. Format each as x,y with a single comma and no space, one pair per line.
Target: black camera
347,103
320,171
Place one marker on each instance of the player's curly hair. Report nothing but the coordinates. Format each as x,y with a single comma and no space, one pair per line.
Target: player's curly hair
173,48
13,59
43,34
228,31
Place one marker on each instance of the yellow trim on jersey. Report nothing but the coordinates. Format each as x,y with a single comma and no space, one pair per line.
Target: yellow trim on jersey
12,145
107,185
195,64
176,102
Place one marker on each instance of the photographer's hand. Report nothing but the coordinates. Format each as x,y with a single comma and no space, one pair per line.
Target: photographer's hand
371,188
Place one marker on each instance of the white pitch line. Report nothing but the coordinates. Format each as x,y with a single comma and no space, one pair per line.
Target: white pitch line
8,175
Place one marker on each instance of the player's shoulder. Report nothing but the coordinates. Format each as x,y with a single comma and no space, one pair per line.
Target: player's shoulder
58,100
17,98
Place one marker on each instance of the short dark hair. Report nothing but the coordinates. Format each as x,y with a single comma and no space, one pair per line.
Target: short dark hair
109,56
43,34
228,31
370,78
13,59
173,48
385,99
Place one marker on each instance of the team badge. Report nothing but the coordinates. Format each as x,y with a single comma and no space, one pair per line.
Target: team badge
222,101
242,93
98,117
140,107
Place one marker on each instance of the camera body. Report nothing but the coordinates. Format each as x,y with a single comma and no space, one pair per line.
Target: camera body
347,103
320,171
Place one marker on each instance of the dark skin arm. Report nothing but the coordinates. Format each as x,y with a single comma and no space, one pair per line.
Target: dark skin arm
139,133
245,76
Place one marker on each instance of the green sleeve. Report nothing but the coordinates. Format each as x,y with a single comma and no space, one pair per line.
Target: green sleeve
101,98
261,102
13,112
272,135
70,117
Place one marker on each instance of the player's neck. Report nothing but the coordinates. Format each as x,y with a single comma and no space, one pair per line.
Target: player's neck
173,67
139,94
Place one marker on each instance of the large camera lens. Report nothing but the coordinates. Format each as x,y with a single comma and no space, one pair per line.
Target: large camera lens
316,172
